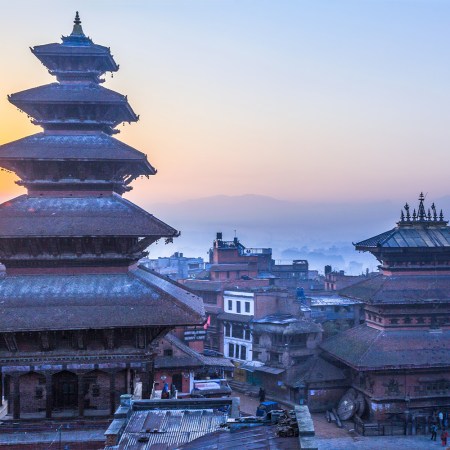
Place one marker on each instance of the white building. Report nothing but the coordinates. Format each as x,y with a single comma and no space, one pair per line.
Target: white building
239,309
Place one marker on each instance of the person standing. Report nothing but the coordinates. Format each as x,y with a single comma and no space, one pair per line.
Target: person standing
433,432
165,391
173,391
262,395
444,437
441,419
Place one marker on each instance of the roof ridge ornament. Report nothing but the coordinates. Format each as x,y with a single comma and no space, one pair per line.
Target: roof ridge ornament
77,29
433,208
408,217
421,216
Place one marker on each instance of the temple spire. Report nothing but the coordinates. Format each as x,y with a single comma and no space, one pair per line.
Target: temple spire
421,215
77,29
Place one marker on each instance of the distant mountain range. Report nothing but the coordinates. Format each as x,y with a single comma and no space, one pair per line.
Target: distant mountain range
319,231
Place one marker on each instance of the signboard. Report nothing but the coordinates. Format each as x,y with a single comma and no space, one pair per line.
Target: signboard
195,335
206,385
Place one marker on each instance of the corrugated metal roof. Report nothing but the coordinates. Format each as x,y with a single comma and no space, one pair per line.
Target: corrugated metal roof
173,428
264,437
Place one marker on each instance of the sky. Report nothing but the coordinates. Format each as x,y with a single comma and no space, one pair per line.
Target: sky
261,109
297,100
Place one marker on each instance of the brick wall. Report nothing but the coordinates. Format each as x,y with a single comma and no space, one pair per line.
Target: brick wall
97,385
32,393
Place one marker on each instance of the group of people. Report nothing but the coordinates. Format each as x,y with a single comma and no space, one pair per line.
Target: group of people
439,421
169,393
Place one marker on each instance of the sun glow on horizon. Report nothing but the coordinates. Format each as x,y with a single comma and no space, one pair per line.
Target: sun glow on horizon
296,102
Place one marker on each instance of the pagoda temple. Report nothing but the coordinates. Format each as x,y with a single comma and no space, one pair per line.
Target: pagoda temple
77,314
399,359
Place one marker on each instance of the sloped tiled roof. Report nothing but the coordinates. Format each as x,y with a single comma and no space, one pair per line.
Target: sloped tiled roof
414,236
70,302
400,289
367,348
45,146
68,93
191,358
110,215
314,370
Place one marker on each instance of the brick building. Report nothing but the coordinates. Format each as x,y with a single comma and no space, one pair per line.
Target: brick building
296,271
212,293
283,343
335,281
177,363
334,312
176,267
231,260
77,316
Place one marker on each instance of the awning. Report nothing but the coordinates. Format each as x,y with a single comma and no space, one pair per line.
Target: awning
251,366
271,370
230,317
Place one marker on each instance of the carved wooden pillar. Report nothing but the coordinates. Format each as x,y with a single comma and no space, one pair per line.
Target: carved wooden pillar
48,395
8,394
16,397
129,382
1,388
151,376
80,395
145,384
112,392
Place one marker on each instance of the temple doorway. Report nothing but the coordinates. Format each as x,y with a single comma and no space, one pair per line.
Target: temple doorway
177,380
65,390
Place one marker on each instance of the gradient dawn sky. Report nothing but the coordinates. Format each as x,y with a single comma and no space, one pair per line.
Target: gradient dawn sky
298,100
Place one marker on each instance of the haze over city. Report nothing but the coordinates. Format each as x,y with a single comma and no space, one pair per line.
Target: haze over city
316,119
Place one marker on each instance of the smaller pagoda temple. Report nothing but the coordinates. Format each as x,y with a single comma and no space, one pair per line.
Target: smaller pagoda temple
399,359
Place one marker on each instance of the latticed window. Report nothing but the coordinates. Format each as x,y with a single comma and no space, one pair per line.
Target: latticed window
95,390
39,392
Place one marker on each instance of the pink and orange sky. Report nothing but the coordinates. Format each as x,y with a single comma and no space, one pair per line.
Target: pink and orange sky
297,100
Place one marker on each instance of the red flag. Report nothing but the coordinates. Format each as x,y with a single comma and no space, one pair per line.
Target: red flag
207,323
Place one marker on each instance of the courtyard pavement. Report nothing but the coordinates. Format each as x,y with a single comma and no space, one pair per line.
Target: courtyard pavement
379,443
330,437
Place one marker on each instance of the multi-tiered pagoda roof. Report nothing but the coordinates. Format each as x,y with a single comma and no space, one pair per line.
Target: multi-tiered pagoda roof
71,244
